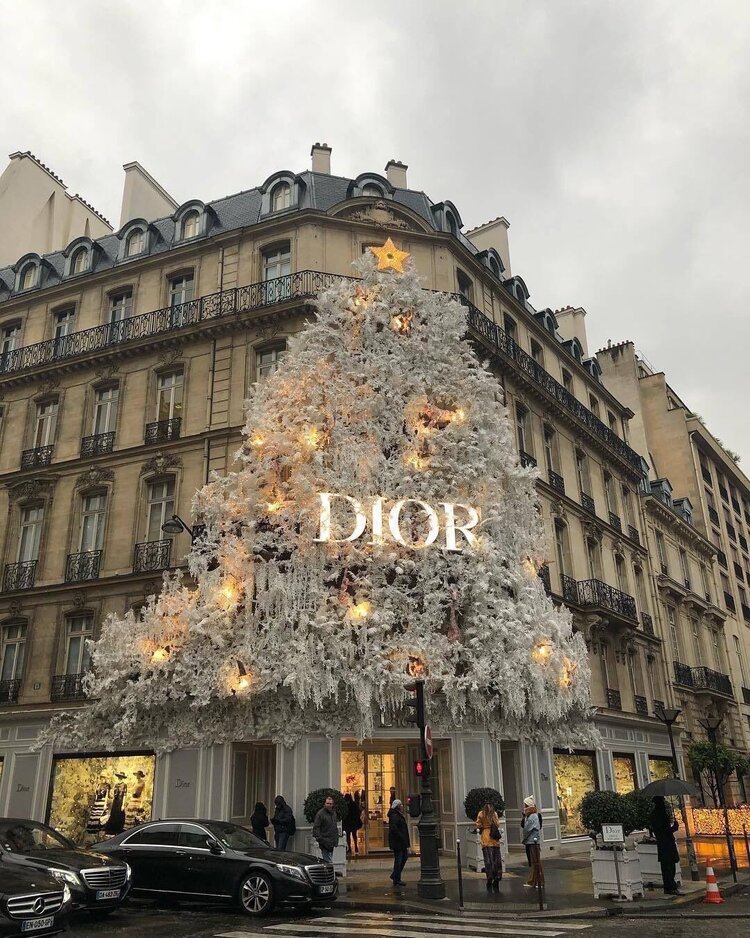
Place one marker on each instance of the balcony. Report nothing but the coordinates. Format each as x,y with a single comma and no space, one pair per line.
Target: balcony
634,534
704,679
648,623
83,566
152,555
739,572
713,515
557,482
19,576
68,687
614,520
641,705
97,445
729,602
9,691
527,461
570,590
162,431
658,705
614,700
36,458
595,593
588,504
683,674
746,695
545,578
722,558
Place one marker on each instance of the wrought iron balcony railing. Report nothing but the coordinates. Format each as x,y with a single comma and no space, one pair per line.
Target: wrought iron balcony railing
36,458
68,687
527,460
570,590
715,681
545,578
9,691
713,515
97,445
658,705
641,705
648,623
557,482
722,558
19,576
746,695
152,555
162,431
634,534
588,504
683,674
614,700
604,596
614,520
83,566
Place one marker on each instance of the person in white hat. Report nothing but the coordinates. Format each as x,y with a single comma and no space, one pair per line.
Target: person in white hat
398,839
531,835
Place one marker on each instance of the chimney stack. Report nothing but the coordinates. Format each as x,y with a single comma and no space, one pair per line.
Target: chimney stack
395,172
321,158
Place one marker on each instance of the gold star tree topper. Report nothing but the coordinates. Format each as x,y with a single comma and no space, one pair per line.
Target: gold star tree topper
389,257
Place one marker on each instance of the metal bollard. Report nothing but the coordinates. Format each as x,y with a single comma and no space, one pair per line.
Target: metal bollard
542,903
459,870
747,844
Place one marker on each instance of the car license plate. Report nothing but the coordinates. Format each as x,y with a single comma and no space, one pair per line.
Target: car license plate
325,890
37,924
108,894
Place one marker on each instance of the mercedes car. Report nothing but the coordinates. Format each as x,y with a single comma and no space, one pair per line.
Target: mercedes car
31,903
217,861
97,884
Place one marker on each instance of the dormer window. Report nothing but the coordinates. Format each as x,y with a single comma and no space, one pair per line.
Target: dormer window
452,226
190,225
29,276
372,191
134,243
80,261
281,197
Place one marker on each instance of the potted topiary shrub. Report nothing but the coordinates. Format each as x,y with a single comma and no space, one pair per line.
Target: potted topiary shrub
474,801
313,803
599,808
645,845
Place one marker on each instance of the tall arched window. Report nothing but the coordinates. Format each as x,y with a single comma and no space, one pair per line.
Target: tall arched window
523,430
281,197
190,225
80,261
562,549
135,243
29,275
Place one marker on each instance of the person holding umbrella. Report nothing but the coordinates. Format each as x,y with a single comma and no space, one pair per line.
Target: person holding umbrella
662,827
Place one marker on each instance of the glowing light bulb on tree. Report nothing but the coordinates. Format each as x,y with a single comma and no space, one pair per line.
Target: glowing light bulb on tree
361,610
542,652
160,655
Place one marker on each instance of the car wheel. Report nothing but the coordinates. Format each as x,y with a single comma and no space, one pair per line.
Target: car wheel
256,894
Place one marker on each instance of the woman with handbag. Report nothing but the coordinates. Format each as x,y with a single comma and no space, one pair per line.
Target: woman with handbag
488,825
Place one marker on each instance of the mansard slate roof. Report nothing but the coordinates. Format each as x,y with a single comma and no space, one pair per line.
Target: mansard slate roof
320,192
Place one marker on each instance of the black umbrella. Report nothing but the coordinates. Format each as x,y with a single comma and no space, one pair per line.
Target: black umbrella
669,786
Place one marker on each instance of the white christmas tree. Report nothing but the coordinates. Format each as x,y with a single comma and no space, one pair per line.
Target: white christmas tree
379,528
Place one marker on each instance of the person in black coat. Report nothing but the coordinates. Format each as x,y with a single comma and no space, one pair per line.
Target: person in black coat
662,827
283,822
398,840
259,821
352,822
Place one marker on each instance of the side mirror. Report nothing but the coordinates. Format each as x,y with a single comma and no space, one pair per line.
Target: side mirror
214,846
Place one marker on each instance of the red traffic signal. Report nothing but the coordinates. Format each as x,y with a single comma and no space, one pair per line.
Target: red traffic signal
419,767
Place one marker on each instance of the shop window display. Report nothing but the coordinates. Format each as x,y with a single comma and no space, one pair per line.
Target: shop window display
659,768
625,777
96,797
575,775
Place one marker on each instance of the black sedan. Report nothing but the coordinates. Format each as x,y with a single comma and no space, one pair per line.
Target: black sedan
31,903
96,884
219,861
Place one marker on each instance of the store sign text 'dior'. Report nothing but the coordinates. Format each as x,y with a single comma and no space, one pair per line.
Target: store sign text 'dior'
383,525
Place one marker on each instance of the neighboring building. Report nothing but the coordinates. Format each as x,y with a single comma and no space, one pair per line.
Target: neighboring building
123,371
699,545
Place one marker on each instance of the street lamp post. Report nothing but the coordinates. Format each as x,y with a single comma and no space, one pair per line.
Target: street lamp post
669,718
175,524
711,726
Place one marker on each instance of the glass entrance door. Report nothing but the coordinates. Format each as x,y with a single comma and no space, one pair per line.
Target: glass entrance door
380,777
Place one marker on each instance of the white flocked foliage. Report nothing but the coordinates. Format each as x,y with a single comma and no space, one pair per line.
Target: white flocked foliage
380,395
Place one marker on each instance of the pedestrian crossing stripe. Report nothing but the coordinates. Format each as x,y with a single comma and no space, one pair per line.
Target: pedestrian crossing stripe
481,918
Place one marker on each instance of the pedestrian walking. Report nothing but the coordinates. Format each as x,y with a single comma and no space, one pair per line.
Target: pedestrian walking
326,829
662,827
398,839
488,825
531,836
283,822
392,796
259,821
352,823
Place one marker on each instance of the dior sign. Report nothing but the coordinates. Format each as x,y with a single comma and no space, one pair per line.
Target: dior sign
454,521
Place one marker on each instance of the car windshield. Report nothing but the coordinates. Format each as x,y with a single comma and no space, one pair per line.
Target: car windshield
238,838
27,837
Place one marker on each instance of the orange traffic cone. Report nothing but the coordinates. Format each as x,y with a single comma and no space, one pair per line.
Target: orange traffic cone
712,887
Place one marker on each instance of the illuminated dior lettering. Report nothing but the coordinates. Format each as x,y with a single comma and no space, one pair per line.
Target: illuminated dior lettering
374,514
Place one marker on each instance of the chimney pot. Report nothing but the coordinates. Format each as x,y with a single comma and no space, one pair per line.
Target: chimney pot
321,158
395,172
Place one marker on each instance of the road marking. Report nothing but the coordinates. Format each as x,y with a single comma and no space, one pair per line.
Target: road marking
478,918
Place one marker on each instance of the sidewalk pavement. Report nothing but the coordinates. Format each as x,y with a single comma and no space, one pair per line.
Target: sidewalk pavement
568,890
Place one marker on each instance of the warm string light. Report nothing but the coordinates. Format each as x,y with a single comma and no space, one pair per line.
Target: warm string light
416,667
542,651
401,322
228,592
360,610
160,655
241,682
413,459
256,441
569,669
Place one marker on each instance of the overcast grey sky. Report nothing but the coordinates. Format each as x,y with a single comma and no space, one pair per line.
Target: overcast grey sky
613,135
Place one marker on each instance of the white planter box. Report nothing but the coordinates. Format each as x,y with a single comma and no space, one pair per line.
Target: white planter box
474,858
339,853
650,870
604,877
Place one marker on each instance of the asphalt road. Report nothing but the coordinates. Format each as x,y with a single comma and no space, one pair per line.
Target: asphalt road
140,919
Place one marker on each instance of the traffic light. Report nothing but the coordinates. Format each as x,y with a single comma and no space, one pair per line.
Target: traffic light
414,804
419,767
415,702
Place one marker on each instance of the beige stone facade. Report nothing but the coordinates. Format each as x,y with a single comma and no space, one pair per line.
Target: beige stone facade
123,390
